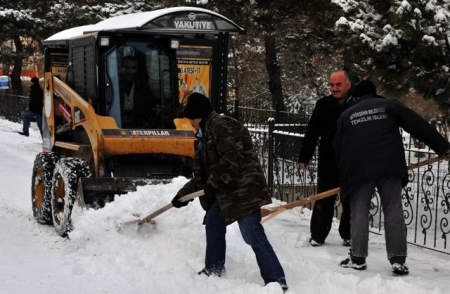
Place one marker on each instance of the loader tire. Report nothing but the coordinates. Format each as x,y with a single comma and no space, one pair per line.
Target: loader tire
67,173
41,186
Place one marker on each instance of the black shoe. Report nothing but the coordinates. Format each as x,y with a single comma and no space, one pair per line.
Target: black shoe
315,243
357,263
207,273
346,242
400,269
24,134
203,272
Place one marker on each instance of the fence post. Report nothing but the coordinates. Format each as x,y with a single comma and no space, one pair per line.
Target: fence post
271,140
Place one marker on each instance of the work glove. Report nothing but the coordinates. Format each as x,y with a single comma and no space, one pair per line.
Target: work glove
446,156
177,203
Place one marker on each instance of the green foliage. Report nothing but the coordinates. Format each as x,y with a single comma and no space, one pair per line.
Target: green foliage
401,44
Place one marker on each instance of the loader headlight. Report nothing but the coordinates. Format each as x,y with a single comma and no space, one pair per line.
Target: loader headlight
104,41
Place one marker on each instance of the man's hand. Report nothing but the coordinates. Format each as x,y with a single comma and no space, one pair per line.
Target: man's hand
303,165
177,203
446,156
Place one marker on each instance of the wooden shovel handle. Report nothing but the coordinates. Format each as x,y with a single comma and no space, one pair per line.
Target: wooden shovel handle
163,209
424,162
272,215
301,202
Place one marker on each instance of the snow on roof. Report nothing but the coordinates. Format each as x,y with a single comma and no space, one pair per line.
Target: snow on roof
130,21
136,20
66,34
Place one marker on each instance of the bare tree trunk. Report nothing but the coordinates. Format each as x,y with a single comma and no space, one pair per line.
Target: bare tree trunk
274,71
16,83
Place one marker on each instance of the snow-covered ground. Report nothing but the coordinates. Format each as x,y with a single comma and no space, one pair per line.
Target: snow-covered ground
99,258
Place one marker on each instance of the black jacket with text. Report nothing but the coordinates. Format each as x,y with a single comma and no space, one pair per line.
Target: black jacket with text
369,145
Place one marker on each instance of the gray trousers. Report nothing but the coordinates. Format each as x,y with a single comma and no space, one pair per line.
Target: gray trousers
394,221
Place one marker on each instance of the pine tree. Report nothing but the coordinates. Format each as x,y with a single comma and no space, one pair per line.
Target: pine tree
402,45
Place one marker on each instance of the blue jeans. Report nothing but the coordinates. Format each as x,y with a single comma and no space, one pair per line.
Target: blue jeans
394,222
30,116
253,233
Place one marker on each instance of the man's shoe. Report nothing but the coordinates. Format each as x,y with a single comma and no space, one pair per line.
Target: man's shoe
314,243
24,134
346,242
219,274
203,272
400,269
357,263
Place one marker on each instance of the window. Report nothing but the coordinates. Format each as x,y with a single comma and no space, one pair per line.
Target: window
140,77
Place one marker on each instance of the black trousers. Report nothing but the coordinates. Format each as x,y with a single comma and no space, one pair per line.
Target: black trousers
323,212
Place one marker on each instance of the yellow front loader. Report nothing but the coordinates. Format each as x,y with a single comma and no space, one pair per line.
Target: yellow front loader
113,100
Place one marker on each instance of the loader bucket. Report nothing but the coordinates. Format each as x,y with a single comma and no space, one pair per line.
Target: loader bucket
95,192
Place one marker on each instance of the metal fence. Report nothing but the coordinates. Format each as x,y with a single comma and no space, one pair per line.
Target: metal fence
12,106
278,137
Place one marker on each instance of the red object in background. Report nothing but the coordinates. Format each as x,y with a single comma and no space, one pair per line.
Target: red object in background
66,112
23,73
29,73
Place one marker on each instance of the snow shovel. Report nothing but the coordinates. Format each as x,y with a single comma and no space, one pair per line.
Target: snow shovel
268,214
149,218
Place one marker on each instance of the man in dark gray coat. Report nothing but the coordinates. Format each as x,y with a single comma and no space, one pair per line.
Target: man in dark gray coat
370,155
228,170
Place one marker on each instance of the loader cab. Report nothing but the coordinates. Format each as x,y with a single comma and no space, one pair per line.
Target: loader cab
139,85
173,52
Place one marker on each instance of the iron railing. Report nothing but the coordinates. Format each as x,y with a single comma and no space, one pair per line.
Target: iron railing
12,106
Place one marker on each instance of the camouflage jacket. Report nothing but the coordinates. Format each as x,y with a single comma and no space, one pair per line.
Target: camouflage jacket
232,169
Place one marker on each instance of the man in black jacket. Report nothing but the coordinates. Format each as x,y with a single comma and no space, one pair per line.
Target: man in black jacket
370,154
137,101
320,131
35,107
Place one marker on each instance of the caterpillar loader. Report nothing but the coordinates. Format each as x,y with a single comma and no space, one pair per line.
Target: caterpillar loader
113,98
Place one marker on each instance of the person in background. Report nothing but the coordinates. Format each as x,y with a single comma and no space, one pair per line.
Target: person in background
35,108
370,155
228,170
320,131
137,101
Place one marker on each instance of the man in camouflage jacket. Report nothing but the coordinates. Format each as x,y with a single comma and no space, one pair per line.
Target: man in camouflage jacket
228,170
